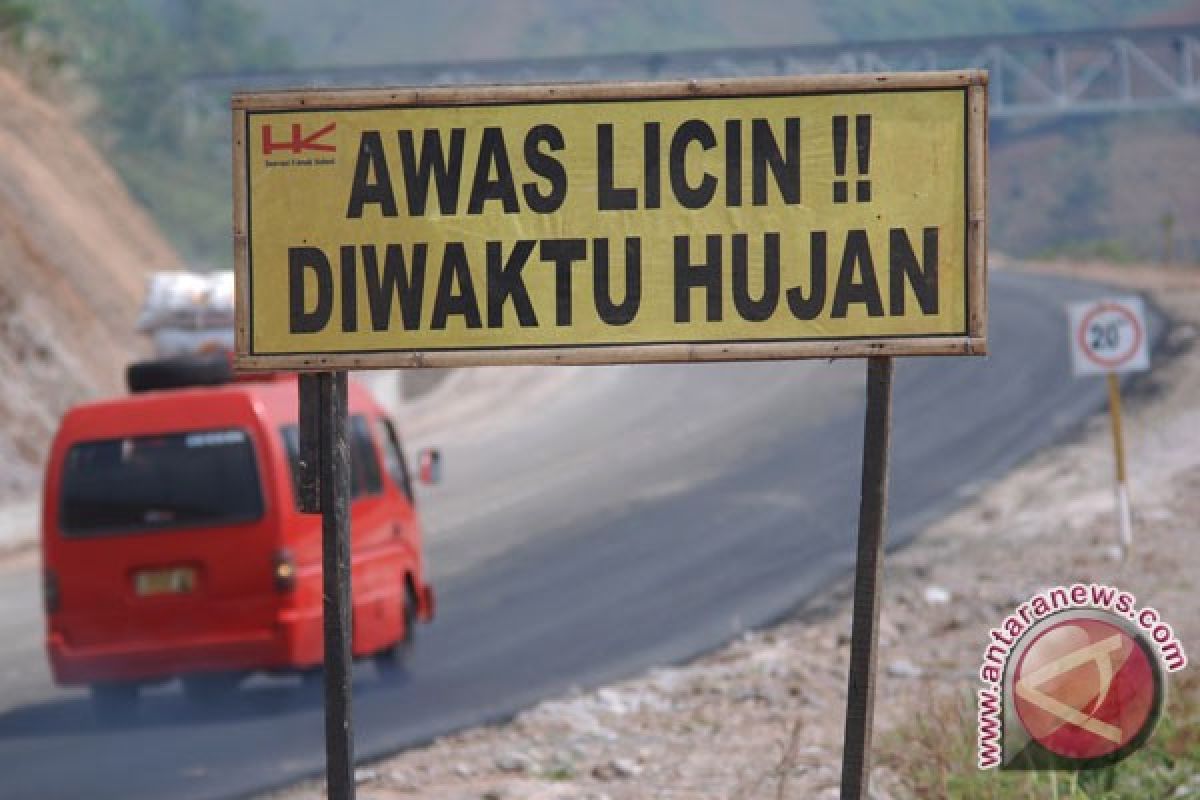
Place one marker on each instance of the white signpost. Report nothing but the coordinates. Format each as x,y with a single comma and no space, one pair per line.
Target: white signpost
1108,337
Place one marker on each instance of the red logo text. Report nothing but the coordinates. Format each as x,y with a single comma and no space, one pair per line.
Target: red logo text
299,142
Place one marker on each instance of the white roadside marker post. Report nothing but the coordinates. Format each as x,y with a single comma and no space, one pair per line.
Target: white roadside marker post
1108,337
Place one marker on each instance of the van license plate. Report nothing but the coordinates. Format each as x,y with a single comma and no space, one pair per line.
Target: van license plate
179,580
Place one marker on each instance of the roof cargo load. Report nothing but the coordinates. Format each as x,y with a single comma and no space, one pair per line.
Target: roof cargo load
189,301
188,313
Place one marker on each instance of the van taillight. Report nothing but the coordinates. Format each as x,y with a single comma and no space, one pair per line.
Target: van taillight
285,571
50,595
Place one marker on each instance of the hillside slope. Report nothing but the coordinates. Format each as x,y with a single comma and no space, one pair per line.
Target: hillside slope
389,31
1121,186
74,252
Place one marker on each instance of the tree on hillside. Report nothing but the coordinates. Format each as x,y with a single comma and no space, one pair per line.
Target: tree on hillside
135,55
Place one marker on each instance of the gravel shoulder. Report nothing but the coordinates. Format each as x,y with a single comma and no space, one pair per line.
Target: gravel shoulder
763,716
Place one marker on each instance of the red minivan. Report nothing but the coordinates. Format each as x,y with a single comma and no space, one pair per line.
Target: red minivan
173,546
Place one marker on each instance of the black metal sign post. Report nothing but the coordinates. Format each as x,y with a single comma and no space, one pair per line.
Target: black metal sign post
325,488
868,573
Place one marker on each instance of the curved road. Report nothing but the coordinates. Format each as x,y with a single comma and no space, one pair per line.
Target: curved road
628,516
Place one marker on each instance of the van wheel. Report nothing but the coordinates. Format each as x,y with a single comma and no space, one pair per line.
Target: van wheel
115,703
390,662
205,690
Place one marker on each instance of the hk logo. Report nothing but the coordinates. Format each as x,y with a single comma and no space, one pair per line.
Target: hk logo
298,142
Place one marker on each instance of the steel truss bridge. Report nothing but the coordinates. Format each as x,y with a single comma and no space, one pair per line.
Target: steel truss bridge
1076,72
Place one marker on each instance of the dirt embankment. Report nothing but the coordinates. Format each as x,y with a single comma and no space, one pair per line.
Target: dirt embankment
74,252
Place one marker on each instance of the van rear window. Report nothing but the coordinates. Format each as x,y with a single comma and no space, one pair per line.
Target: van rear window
160,482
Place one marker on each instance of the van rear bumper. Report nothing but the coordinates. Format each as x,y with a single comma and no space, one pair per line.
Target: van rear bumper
157,659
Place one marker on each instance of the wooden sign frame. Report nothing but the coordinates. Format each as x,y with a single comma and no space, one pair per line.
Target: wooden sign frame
973,341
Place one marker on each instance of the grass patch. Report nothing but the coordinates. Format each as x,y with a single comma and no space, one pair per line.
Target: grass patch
559,772
933,756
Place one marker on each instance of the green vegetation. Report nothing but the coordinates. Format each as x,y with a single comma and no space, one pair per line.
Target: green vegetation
934,757
170,148
1096,186
15,16
389,31
559,772
133,55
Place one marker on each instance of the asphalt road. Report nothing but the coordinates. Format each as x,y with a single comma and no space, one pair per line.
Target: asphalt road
636,516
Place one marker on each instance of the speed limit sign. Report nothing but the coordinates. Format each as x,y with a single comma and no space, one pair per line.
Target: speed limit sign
1108,335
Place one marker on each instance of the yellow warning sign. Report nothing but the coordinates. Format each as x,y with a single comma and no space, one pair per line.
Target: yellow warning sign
774,218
